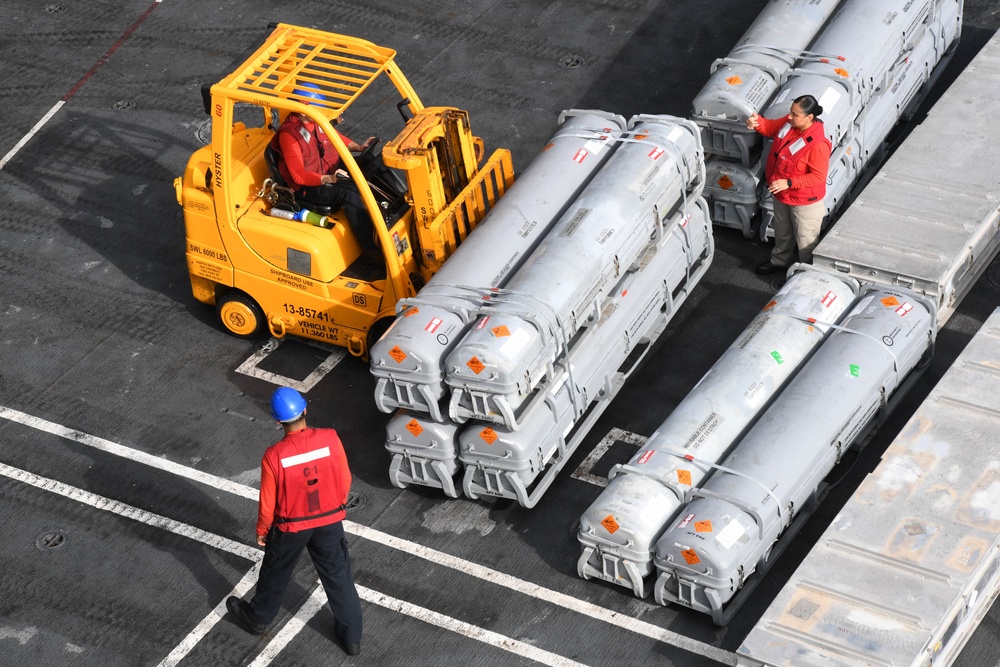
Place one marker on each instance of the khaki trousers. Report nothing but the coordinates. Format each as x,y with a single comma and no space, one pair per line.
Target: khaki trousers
796,227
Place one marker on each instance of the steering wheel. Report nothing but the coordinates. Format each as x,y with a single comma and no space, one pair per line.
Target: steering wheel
367,157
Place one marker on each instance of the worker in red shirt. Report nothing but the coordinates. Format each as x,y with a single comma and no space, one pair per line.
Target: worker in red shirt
304,482
310,165
796,169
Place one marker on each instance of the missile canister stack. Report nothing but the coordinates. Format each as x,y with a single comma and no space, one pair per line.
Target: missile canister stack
606,279
619,530
600,238
730,528
407,361
744,83
525,348
868,64
874,64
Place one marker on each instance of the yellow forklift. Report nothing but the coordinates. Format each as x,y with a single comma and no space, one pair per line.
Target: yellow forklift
262,258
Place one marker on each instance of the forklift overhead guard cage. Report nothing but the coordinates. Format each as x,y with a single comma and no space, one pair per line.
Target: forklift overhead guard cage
338,67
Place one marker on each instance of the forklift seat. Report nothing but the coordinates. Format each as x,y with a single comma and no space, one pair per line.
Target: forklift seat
271,159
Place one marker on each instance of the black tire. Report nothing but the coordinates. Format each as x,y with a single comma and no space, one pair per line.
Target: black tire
376,331
240,315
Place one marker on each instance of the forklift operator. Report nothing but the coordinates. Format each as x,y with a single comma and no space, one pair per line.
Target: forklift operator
309,163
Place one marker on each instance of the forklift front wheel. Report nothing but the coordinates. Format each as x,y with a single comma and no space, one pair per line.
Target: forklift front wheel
240,315
377,329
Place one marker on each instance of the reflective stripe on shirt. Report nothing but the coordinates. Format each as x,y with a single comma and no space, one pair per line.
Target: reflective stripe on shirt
299,459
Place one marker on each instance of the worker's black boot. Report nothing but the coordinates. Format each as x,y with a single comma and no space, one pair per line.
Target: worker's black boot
241,611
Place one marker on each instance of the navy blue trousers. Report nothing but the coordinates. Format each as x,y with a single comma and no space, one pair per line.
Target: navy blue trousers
345,195
327,548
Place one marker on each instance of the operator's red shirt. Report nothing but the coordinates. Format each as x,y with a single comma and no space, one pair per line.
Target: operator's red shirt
306,152
303,479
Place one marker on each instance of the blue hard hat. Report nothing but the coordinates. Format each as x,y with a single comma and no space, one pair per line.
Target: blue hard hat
308,89
287,405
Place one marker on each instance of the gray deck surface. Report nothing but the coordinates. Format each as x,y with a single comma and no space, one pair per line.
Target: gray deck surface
117,389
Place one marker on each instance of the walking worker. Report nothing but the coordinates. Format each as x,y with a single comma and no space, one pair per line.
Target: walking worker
796,169
304,481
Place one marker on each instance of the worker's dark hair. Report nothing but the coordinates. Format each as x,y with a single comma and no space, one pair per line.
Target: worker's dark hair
809,105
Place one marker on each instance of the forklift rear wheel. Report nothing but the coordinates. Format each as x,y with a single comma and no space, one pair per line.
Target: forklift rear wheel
240,315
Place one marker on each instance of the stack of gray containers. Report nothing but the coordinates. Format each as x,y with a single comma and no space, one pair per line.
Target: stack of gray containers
504,359
868,67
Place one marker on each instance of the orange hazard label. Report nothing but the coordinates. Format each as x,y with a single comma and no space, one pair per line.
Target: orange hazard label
734,80
771,304
890,301
500,331
690,557
640,136
489,435
703,526
476,365
411,311
684,477
414,427
610,524
397,354
842,72
725,182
